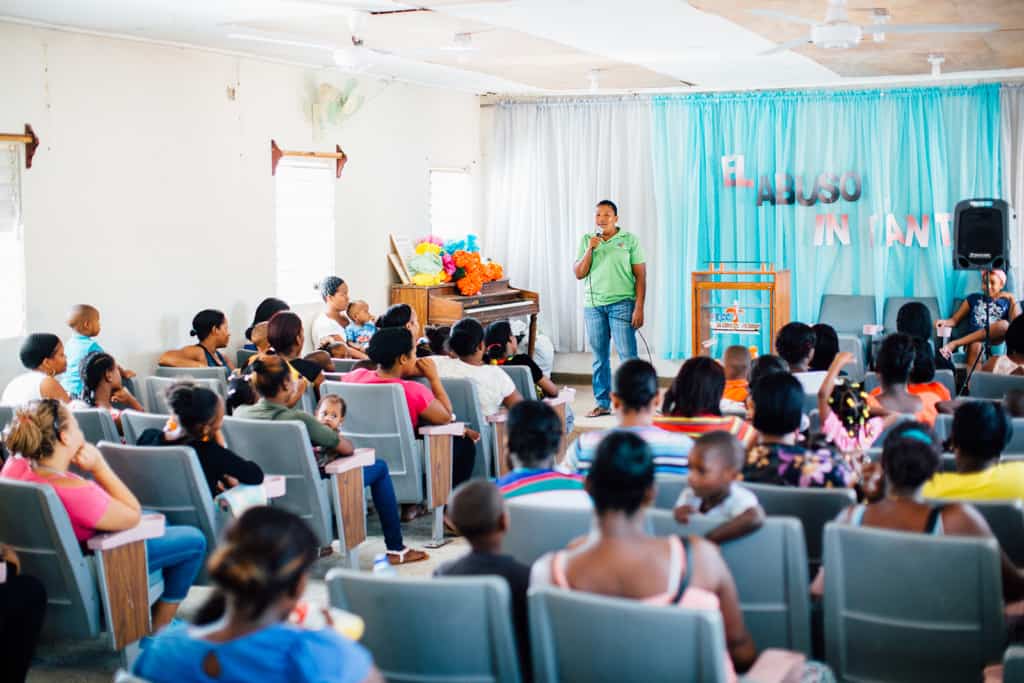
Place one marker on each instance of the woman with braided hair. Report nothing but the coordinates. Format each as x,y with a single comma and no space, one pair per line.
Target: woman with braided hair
242,633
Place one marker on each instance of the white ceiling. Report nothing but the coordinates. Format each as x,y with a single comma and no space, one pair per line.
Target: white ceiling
530,47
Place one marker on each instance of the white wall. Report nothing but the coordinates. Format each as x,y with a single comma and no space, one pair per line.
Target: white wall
151,195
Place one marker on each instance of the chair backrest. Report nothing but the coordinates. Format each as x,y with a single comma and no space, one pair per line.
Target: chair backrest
910,607
523,380
466,407
993,386
242,357
168,480
1013,664
6,415
1006,520
943,426
156,391
769,567
344,364
583,637
535,529
218,373
854,345
308,402
134,423
378,418
813,507
420,629
283,448
894,303
96,425
1016,446
848,313
35,522
667,491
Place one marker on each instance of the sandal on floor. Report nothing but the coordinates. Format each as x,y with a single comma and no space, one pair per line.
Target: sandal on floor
412,511
599,411
406,556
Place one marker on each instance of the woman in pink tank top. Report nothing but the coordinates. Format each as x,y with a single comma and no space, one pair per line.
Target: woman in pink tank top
622,560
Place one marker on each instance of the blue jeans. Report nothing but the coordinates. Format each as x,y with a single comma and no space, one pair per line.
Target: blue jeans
378,478
179,553
606,323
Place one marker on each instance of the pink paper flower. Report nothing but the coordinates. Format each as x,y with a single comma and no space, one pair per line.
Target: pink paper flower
448,262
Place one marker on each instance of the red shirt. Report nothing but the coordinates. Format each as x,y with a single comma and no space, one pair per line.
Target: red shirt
694,427
417,396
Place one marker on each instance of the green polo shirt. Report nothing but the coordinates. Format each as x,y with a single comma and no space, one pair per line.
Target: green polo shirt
611,276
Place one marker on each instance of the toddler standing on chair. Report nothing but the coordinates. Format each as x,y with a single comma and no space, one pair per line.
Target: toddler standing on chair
84,321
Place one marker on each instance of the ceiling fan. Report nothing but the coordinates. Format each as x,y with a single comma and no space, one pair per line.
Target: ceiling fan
837,32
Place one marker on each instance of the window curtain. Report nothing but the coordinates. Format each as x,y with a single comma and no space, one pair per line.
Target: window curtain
551,162
1011,101
916,153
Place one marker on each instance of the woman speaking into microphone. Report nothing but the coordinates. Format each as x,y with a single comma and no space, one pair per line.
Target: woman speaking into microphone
611,263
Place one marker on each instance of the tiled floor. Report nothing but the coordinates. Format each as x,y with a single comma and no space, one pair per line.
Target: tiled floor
89,662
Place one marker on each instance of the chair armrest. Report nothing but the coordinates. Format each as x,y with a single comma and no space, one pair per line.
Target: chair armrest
150,526
363,457
452,429
501,417
566,395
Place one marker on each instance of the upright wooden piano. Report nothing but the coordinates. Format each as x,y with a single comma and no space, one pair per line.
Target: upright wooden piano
444,305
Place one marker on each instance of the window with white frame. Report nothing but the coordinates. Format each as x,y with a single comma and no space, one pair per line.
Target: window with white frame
304,228
12,249
451,203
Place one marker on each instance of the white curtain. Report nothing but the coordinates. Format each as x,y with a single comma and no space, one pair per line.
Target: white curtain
551,162
1011,108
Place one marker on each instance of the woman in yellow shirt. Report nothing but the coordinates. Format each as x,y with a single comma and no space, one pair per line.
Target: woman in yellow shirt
981,430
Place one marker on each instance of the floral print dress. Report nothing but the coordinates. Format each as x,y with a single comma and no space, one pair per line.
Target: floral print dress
785,465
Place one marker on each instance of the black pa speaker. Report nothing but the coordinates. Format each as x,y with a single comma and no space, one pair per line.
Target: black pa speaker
981,235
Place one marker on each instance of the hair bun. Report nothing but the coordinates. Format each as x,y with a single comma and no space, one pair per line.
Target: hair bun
193,333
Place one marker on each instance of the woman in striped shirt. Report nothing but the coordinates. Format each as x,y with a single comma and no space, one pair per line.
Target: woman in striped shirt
691,404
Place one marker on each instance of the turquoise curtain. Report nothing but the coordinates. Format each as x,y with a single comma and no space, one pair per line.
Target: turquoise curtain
915,151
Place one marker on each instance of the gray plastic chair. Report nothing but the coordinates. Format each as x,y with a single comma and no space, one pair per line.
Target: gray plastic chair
344,364
36,524
946,377
134,423
894,303
6,415
813,507
1006,520
1013,664
854,345
769,567
668,489
96,425
536,529
428,630
466,407
168,480
194,373
283,448
242,357
523,380
848,313
584,637
911,607
156,391
992,386
381,422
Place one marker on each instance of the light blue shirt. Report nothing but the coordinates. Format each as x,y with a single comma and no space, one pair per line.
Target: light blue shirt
280,653
77,347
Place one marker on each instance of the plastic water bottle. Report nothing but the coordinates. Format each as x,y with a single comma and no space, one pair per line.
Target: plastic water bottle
381,566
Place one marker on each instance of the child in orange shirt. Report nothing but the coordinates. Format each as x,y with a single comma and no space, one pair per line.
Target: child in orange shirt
736,361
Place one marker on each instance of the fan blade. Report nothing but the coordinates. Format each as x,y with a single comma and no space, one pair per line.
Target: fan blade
931,28
782,15
782,47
